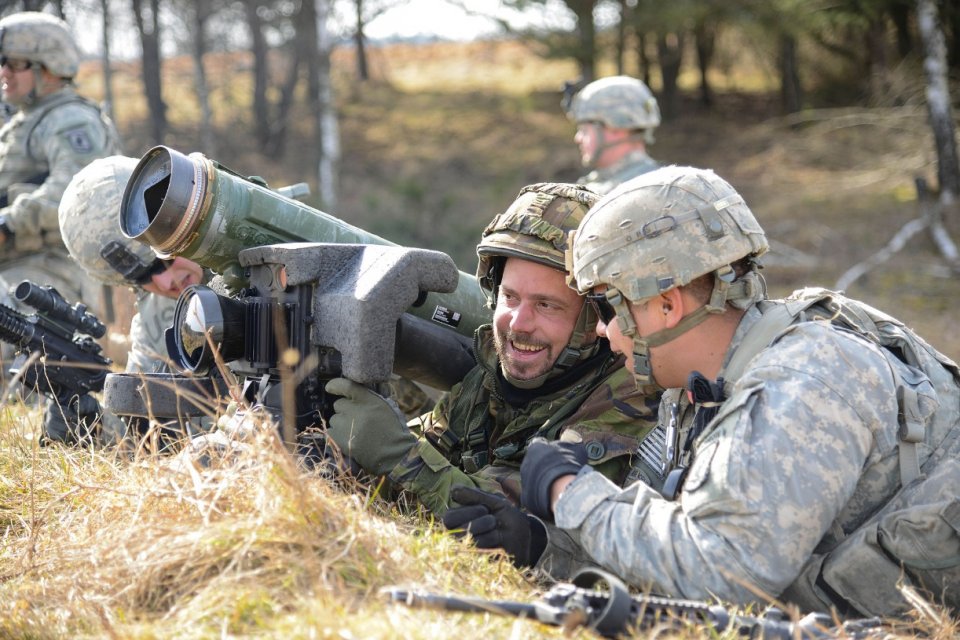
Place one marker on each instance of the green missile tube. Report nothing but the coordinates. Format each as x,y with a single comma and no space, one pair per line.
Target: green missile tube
192,206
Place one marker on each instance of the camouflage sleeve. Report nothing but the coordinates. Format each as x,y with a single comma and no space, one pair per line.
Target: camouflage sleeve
612,421
68,138
775,469
425,471
147,344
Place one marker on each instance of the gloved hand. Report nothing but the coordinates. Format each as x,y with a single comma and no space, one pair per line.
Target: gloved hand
76,421
495,523
543,463
367,427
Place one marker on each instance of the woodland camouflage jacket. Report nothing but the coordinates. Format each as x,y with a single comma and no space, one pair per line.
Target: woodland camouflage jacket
475,437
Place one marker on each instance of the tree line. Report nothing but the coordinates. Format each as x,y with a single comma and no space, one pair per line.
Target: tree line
291,41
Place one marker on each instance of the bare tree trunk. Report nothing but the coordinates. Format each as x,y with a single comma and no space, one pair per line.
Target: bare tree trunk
622,37
791,92
327,133
643,61
952,17
261,73
900,15
938,96
941,121
706,37
304,47
201,12
877,59
587,35
360,41
105,58
148,26
670,54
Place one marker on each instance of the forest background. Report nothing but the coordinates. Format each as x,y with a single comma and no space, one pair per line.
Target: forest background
817,112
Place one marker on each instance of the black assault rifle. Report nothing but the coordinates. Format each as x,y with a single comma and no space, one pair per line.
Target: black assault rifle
615,612
68,364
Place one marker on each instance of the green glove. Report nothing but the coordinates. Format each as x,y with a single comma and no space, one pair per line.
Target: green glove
367,427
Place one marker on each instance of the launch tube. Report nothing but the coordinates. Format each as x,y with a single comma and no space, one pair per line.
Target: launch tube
192,206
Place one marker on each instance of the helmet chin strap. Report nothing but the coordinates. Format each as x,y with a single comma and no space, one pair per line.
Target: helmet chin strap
575,351
740,293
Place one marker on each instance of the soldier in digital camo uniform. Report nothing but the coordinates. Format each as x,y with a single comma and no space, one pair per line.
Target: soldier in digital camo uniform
90,223
541,371
806,417
54,134
89,218
615,119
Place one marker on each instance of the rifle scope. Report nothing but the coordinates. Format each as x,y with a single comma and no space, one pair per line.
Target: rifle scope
49,301
191,206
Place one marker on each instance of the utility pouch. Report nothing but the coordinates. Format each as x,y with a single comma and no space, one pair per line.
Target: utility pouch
914,540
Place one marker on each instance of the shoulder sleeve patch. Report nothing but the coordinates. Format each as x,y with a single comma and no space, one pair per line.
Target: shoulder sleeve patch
79,140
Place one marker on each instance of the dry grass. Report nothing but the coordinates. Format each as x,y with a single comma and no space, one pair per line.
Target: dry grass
97,545
94,544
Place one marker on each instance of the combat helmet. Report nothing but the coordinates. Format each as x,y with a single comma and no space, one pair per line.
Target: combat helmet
90,225
41,38
617,102
662,230
535,227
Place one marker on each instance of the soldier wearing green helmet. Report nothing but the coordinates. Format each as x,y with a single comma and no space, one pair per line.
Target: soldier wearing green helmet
615,120
790,425
53,135
541,371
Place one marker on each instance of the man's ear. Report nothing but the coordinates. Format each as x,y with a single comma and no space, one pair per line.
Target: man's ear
673,306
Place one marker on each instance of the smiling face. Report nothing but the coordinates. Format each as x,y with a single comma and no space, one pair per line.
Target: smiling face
178,276
534,318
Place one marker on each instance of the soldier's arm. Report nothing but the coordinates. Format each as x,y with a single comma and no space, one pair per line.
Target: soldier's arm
68,142
769,478
426,471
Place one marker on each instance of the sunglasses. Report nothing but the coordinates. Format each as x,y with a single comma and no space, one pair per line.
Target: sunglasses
14,64
601,305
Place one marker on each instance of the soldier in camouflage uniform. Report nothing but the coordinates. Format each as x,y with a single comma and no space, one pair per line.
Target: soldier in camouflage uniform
788,439
541,371
53,135
615,119
89,221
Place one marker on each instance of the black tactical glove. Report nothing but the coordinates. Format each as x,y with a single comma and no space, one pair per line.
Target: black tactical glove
494,523
543,463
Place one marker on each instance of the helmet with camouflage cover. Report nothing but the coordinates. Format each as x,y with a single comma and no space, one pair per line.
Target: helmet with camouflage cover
42,38
617,102
535,227
662,230
90,222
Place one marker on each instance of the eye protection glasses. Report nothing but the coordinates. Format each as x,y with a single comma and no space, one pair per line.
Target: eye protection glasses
14,64
601,305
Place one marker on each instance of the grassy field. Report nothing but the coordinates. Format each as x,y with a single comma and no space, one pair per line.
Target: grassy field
109,545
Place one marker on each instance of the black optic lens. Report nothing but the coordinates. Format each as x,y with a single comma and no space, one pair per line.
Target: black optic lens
602,307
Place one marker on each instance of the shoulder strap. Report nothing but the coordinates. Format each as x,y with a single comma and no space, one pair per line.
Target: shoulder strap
46,109
778,317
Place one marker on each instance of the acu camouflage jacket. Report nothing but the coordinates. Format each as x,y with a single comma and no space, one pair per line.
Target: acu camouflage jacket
605,180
